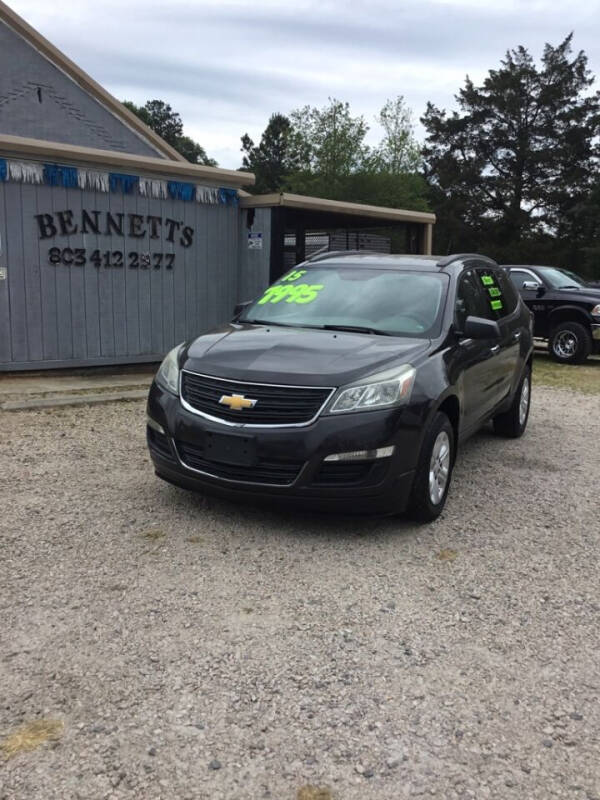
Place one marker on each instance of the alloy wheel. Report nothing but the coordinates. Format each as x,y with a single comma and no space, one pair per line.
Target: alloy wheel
524,401
439,467
565,344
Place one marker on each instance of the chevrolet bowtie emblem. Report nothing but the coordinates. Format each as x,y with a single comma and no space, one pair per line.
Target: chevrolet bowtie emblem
237,402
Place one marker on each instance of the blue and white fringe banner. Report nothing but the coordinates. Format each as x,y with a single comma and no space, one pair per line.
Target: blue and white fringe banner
57,175
25,172
228,197
72,177
90,179
180,190
207,194
120,182
153,188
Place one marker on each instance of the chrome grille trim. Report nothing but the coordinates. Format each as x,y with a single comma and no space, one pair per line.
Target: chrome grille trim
237,425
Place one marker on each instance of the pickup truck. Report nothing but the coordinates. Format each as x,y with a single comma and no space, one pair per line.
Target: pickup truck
566,310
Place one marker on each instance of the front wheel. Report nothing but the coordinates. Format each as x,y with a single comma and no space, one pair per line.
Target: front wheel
513,422
434,471
570,343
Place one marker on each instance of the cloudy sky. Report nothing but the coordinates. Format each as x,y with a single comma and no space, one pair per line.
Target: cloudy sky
226,65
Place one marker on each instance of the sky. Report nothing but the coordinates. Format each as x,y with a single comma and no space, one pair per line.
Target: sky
226,65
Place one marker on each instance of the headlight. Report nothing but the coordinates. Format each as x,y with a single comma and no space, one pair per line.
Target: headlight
168,372
391,388
596,311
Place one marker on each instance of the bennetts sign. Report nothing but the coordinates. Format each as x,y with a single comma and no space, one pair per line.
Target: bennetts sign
64,223
104,223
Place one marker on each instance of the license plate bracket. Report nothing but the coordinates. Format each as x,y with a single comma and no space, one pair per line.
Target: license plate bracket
227,448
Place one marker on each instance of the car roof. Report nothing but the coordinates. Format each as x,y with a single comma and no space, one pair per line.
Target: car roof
390,260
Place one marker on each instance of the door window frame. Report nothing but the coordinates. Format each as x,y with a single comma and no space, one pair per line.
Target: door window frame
535,277
470,272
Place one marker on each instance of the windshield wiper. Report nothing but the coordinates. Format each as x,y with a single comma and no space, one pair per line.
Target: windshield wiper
349,328
355,329
570,286
266,322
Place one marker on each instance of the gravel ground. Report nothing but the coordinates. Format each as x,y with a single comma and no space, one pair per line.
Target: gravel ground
195,649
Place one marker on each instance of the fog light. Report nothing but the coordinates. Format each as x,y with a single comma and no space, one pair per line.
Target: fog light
362,455
155,426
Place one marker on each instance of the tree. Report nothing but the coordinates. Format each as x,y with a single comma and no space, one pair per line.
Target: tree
517,162
321,152
167,123
274,158
398,151
194,152
330,141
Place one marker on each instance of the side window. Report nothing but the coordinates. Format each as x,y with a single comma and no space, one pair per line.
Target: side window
517,278
495,300
511,297
470,301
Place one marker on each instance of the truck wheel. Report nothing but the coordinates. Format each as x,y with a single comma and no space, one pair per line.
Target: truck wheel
570,343
434,470
512,423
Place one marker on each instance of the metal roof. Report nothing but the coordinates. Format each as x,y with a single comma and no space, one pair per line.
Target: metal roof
335,206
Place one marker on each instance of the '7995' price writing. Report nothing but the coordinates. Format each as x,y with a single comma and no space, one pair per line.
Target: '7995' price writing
291,293
78,257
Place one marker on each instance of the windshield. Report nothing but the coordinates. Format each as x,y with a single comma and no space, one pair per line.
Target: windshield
383,301
560,278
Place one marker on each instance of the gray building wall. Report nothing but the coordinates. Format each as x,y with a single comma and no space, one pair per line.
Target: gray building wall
254,264
39,101
59,314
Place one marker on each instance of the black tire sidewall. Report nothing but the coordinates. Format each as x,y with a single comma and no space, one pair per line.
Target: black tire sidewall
508,424
421,508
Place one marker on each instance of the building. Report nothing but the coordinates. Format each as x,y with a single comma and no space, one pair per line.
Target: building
113,248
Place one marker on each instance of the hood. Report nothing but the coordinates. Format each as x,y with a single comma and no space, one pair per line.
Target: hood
296,356
587,294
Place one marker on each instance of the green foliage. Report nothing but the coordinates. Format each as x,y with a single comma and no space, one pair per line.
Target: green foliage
512,172
330,140
321,152
275,158
167,123
398,153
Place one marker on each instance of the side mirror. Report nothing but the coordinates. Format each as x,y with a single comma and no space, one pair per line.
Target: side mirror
480,328
532,286
239,308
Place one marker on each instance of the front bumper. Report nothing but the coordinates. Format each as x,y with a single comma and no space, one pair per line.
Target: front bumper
596,332
302,479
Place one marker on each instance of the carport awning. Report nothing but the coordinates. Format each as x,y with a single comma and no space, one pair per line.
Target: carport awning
339,208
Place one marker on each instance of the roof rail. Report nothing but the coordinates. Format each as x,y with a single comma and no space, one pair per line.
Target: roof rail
444,262
337,253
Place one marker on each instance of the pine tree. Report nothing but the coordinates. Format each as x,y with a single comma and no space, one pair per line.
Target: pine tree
274,158
517,162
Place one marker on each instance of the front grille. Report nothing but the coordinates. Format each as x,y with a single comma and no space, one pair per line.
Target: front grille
275,405
279,473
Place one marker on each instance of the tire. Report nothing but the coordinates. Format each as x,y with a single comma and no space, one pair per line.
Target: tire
512,423
422,506
570,343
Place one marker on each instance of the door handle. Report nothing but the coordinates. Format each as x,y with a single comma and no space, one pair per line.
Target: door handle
516,336
495,349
